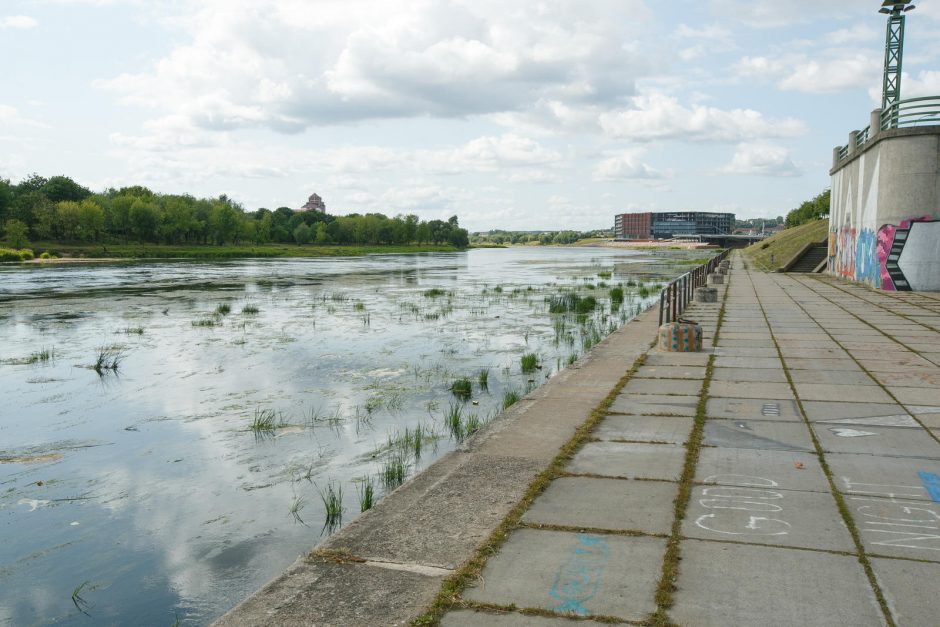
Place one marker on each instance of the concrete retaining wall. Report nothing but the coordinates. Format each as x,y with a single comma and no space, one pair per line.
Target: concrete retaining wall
884,220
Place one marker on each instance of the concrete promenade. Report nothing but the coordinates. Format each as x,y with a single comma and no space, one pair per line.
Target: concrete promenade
789,475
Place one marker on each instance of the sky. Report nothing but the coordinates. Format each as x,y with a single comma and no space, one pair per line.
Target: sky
518,114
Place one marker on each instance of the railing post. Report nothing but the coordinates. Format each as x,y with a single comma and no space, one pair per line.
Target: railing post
661,308
875,126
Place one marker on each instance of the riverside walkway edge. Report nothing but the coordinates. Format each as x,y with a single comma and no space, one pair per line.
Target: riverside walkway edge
787,475
387,566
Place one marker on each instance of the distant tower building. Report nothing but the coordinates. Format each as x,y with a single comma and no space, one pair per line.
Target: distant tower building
314,203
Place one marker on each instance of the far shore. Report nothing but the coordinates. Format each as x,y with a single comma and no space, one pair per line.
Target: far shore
647,244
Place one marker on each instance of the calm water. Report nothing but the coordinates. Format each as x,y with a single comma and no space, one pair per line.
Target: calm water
141,496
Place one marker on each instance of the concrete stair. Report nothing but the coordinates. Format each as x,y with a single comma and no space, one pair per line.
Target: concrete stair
811,259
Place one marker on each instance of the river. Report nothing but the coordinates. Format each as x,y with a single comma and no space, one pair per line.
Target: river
140,494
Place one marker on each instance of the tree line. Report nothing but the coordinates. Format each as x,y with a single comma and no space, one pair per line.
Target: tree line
58,209
814,209
526,237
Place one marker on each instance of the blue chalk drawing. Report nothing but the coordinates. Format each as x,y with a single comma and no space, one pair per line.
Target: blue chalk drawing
932,484
578,578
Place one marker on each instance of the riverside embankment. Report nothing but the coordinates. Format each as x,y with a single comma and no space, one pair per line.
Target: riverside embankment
787,475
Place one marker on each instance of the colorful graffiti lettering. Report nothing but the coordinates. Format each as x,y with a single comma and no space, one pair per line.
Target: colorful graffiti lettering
866,258
893,245
844,262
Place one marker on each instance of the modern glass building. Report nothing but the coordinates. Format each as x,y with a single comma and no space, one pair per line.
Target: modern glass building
672,224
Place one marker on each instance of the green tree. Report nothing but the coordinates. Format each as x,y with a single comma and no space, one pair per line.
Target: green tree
810,210
302,234
90,221
322,235
16,233
60,188
144,219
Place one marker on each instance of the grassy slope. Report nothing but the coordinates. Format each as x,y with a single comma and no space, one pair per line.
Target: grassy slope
784,245
151,251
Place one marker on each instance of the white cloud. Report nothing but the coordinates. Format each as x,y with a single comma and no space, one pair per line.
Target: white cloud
658,117
775,13
822,72
10,117
761,159
925,83
624,165
489,154
18,22
280,65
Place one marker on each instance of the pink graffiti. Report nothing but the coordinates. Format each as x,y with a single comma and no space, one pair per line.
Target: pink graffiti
885,242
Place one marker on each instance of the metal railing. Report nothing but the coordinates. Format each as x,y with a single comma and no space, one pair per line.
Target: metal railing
908,113
677,295
912,112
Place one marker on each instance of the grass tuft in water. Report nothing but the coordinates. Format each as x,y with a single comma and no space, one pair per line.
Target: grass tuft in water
264,420
133,330
223,310
295,507
483,378
453,418
434,292
529,362
208,321
108,359
393,470
250,310
462,388
510,398
366,493
332,498
81,604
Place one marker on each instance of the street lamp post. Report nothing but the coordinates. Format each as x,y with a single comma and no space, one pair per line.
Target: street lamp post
894,52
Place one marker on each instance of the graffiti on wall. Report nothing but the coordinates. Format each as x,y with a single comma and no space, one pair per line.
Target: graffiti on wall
909,255
844,262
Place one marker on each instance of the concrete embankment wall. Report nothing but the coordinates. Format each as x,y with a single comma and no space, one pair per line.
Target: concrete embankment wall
388,565
884,220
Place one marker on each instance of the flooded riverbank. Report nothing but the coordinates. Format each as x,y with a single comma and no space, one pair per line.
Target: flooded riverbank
140,493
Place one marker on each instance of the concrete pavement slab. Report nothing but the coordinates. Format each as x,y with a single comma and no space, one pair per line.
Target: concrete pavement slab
471,618
888,441
927,395
725,361
768,375
870,393
889,477
896,527
686,387
671,429
614,504
928,415
655,358
828,365
832,377
670,372
729,584
747,389
832,410
902,583
744,351
758,434
576,573
629,460
655,404
785,470
753,409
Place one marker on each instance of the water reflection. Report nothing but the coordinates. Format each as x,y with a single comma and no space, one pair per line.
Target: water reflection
147,484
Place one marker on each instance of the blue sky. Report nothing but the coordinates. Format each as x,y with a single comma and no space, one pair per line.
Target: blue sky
530,114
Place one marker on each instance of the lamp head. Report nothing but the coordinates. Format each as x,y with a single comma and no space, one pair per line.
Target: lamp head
895,6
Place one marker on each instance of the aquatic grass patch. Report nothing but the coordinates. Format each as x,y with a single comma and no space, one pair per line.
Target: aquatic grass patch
434,292
510,398
483,378
453,419
296,505
571,303
41,356
394,469
133,330
80,603
529,362
223,310
462,388
108,359
616,297
332,498
250,310
207,322
264,420
365,491
644,291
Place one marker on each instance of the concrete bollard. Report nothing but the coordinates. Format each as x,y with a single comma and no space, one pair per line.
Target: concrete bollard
725,264
720,270
706,295
716,279
683,336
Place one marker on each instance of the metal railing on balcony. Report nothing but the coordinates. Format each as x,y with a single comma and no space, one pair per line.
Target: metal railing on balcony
912,112
677,295
909,113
